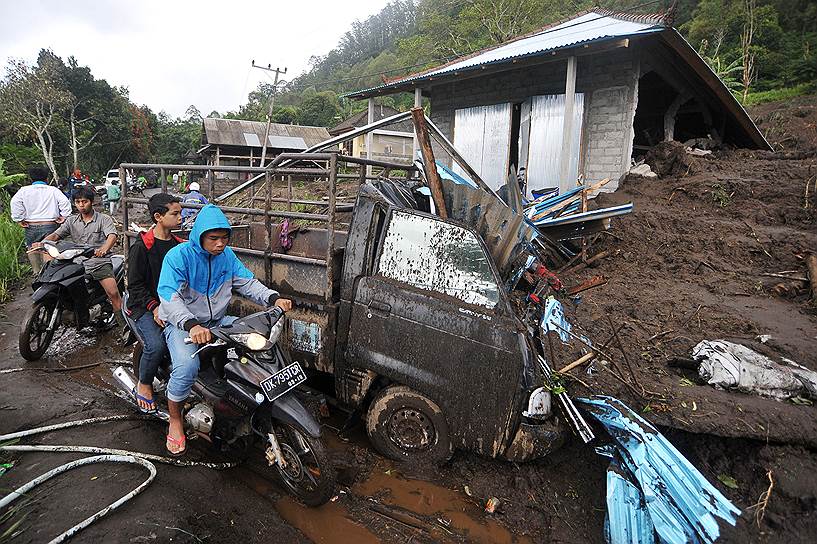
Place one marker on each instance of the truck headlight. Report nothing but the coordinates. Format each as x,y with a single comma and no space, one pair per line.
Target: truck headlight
539,406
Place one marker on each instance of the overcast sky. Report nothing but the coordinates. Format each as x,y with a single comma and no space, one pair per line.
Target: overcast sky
173,53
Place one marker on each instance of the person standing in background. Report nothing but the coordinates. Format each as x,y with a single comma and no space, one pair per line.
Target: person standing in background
39,208
192,196
114,194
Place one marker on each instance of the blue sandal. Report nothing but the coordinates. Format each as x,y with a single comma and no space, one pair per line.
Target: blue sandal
149,402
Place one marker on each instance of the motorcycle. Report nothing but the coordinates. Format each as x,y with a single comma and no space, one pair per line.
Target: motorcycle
63,293
244,395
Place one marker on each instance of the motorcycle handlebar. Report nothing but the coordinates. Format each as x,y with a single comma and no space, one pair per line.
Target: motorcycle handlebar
274,310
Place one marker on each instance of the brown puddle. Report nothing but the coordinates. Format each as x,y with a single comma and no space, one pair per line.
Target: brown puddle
427,499
326,524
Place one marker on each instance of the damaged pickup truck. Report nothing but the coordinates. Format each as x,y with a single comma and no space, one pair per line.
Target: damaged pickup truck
414,320
412,315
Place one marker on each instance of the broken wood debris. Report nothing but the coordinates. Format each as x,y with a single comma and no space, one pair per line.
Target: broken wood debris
811,263
595,281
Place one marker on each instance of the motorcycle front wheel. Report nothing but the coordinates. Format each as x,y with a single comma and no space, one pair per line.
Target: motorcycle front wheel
307,474
35,336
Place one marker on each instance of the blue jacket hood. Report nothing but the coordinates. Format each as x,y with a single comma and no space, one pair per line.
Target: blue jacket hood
209,218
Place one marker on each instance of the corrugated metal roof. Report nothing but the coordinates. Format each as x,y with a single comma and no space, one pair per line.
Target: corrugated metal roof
232,132
590,27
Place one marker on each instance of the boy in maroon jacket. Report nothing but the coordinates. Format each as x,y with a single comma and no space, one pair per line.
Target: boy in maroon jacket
144,265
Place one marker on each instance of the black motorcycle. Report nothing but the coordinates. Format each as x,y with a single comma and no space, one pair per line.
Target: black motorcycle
243,396
64,294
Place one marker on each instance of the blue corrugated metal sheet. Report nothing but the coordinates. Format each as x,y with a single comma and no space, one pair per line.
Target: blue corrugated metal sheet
682,505
589,27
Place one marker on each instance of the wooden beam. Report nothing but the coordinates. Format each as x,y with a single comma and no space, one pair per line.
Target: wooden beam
432,176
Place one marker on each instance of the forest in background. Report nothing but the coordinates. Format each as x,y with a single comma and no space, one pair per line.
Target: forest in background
56,111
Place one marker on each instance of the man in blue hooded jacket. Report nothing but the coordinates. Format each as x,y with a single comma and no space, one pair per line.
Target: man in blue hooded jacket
195,288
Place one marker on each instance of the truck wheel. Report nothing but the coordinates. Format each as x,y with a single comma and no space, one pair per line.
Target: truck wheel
404,425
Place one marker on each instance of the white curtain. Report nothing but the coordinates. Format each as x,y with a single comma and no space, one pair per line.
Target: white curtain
545,146
482,135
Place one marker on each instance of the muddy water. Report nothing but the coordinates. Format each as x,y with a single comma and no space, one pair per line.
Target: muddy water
462,515
327,524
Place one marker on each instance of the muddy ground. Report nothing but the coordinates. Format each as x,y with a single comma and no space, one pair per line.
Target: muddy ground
688,265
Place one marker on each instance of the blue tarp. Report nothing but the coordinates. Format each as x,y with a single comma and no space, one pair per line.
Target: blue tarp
446,173
682,505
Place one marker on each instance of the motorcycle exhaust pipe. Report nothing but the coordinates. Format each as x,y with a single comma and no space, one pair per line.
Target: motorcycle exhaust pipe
127,382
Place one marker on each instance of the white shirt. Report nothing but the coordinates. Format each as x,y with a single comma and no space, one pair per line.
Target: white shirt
39,202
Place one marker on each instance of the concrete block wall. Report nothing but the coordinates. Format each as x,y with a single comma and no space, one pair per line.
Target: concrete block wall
609,81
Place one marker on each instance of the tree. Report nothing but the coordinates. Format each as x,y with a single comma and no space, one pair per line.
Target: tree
321,110
8,179
31,103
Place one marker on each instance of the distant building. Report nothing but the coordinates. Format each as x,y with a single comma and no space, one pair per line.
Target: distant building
624,82
392,143
235,142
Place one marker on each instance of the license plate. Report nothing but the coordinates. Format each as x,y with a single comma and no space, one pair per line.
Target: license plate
283,381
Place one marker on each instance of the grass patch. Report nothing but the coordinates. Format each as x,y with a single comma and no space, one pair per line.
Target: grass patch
753,99
11,244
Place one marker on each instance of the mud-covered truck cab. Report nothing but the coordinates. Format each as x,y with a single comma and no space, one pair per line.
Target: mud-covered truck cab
428,339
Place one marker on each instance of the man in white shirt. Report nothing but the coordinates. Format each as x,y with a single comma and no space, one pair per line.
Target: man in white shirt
39,208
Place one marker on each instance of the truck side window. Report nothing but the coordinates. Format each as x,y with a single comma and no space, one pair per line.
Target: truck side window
436,256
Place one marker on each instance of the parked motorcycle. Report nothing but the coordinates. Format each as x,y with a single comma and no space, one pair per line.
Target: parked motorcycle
64,294
244,396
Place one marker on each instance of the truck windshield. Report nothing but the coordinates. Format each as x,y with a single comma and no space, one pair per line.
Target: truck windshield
435,256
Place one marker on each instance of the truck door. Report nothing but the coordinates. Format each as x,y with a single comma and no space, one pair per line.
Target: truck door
431,316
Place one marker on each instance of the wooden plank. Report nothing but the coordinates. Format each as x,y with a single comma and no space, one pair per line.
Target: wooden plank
432,176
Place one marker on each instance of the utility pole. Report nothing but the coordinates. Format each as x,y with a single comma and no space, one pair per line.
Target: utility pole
278,72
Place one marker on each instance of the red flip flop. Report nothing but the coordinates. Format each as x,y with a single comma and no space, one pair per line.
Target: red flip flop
182,442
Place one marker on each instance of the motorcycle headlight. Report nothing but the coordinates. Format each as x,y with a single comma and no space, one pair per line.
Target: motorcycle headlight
68,254
253,341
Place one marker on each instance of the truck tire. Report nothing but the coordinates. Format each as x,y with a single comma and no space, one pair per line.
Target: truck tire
404,425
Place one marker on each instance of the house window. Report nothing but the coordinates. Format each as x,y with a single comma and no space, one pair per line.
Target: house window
429,254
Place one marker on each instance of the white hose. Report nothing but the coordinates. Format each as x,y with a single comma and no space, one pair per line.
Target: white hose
103,455
66,425
108,451
20,491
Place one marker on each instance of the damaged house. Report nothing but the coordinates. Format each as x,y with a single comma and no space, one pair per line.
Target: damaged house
236,142
577,100
392,143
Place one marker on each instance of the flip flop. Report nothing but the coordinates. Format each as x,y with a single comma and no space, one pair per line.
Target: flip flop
178,442
149,402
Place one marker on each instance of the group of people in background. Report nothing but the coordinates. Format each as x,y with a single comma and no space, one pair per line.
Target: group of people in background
177,289
40,208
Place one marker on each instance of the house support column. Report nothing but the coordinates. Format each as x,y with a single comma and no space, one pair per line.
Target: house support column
418,103
369,137
567,127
